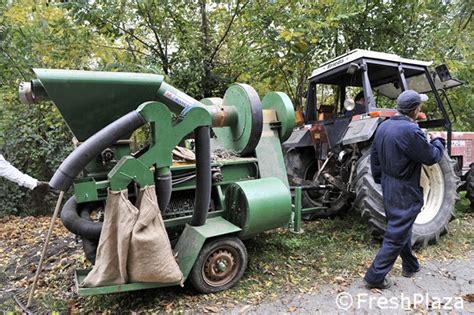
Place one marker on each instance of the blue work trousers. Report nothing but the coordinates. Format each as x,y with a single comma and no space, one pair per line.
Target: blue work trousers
396,242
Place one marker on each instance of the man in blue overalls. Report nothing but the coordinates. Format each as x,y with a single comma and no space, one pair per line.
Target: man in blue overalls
400,148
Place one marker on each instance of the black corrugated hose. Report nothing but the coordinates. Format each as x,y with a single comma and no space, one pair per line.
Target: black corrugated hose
202,199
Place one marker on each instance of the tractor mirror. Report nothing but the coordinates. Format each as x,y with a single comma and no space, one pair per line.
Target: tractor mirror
443,73
349,104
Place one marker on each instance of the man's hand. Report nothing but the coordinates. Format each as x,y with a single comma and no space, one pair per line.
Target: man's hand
41,187
43,191
442,140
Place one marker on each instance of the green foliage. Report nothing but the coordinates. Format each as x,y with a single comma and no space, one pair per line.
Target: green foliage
202,47
35,138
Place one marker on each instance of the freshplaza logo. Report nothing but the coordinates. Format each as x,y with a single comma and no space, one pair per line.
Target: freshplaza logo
345,301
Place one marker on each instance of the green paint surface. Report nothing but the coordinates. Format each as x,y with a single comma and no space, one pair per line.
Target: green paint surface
90,100
281,103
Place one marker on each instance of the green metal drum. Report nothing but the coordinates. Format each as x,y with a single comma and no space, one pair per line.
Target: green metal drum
281,103
258,205
242,118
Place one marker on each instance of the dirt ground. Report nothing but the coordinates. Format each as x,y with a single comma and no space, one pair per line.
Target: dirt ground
328,259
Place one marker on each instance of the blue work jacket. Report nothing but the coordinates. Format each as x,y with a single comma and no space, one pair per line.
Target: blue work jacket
400,148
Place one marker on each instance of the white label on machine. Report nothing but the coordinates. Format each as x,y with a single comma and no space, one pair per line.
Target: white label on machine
180,98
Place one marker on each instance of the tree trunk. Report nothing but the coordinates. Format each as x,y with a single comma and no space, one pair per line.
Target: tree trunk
206,88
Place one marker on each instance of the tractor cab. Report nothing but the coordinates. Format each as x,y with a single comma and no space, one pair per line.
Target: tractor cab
380,78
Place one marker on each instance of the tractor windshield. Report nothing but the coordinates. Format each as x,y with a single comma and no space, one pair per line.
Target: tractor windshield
418,83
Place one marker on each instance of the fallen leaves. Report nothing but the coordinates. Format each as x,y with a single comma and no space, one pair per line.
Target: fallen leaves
211,309
339,280
280,264
245,309
21,243
469,297
292,309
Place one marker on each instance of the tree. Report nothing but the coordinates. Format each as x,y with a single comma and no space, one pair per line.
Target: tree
202,47
35,138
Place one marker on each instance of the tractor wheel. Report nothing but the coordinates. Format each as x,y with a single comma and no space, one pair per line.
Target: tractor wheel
219,266
302,167
470,185
439,184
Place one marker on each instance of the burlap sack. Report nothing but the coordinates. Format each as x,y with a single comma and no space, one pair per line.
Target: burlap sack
112,254
150,258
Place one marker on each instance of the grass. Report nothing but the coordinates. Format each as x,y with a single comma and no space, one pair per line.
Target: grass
329,251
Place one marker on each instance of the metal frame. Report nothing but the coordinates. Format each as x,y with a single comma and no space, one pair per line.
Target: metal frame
447,121
360,53
299,211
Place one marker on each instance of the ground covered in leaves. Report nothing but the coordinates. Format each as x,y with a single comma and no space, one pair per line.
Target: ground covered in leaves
329,251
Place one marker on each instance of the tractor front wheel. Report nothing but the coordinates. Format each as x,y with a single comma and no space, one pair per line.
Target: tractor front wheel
219,266
439,184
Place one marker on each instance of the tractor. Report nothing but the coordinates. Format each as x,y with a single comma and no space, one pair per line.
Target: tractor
329,155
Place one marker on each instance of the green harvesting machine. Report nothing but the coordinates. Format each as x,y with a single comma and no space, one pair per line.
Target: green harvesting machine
233,188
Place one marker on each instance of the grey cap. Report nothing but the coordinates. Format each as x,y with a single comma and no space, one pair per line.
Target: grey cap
408,100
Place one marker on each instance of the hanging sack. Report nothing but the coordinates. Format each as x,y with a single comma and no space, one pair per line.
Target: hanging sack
112,253
150,257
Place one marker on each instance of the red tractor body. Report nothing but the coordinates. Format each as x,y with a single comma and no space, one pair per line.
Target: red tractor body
462,149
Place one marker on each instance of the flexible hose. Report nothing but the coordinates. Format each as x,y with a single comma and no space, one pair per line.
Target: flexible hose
163,191
93,146
88,245
202,199
79,225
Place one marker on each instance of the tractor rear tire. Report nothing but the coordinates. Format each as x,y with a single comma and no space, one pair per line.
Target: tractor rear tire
301,165
440,194
470,185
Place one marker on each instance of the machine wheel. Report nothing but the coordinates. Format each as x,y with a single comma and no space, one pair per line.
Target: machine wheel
219,266
439,183
470,185
302,166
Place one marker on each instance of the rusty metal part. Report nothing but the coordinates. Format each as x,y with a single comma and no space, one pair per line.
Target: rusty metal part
334,181
221,266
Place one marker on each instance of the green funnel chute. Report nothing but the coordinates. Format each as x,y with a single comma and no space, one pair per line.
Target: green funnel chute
90,100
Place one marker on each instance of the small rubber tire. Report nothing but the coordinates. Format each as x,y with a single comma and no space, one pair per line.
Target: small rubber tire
226,247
